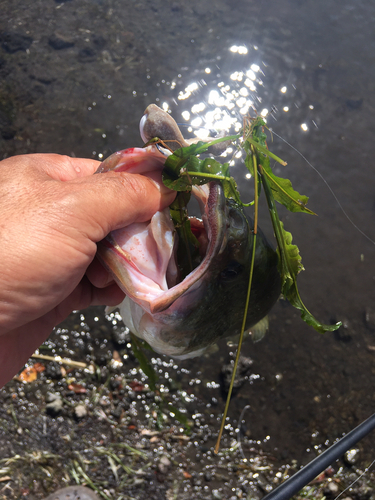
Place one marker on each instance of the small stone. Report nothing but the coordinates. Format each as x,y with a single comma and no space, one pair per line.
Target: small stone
52,396
8,132
164,464
344,333
80,411
333,488
207,476
351,456
216,495
87,54
243,368
53,370
354,103
55,404
117,412
99,42
120,335
58,42
13,42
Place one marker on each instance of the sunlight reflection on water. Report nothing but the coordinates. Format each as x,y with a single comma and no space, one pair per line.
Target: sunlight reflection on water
216,102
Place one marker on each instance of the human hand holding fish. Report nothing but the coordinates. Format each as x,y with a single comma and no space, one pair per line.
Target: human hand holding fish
54,211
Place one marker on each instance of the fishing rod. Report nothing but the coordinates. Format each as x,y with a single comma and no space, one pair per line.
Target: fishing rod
301,478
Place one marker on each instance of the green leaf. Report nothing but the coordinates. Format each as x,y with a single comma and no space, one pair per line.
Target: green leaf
285,194
177,160
290,265
143,362
182,172
282,189
188,256
292,256
150,373
180,183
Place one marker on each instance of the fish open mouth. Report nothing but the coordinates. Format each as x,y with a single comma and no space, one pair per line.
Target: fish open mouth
142,256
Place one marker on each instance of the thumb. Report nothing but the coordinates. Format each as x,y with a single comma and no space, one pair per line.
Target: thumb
112,200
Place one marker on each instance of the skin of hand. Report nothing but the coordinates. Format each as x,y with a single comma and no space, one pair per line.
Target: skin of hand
53,212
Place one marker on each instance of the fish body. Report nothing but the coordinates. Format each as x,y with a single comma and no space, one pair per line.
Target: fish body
179,316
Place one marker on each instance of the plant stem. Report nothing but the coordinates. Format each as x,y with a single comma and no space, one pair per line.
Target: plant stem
238,353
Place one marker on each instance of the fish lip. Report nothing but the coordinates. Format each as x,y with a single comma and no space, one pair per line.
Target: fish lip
141,127
213,215
157,123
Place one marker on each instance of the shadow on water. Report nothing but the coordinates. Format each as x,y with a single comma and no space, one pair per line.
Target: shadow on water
75,78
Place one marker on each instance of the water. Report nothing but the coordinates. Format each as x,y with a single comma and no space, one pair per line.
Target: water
315,78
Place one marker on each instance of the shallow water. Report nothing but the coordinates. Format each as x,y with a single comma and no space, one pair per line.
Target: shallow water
77,83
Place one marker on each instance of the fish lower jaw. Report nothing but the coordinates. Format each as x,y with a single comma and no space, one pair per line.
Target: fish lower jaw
149,329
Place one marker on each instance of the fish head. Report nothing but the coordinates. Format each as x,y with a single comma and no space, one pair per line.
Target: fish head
182,315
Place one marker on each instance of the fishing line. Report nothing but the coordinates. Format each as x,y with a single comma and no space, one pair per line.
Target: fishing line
328,186
239,432
301,478
358,478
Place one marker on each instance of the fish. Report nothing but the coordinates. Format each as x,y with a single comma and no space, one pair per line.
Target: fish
182,316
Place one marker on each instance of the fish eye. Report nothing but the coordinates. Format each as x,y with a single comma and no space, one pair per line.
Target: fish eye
236,219
231,272
237,223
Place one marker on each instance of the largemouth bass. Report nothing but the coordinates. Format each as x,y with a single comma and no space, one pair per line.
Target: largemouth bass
182,317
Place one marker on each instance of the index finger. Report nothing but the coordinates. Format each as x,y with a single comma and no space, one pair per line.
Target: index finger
55,166
66,168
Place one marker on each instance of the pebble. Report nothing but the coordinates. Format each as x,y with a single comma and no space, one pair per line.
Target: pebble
351,456
333,488
80,411
344,333
59,42
244,364
164,464
53,370
55,403
13,42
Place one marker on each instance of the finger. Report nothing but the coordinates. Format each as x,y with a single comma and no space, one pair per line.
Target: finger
116,199
64,168
86,295
54,166
111,295
98,275
16,348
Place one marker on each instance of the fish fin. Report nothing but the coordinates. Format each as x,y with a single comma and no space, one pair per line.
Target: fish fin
109,309
258,331
211,349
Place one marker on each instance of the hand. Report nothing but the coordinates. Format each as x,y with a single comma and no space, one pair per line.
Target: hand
53,211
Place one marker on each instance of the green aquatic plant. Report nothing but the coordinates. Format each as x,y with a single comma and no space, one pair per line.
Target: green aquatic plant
184,168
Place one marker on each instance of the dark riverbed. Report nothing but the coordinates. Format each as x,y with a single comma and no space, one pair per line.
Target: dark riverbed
75,78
